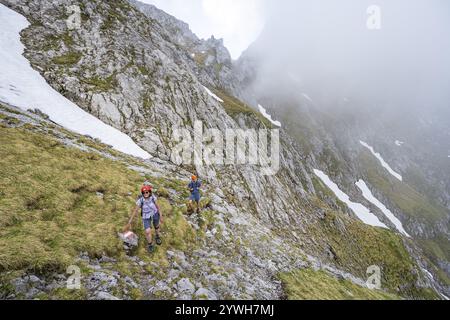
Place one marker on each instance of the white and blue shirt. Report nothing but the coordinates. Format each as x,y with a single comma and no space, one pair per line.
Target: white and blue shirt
148,206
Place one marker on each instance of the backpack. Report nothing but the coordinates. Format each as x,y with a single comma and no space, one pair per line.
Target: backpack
141,200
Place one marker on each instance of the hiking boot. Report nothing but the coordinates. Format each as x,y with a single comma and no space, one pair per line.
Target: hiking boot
151,248
158,240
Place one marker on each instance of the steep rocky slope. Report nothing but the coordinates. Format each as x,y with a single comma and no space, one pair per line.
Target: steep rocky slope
143,72
413,144
78,198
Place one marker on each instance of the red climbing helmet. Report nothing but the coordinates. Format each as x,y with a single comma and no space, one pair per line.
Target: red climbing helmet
146,189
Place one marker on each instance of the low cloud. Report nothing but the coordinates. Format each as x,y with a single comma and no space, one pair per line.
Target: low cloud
326,48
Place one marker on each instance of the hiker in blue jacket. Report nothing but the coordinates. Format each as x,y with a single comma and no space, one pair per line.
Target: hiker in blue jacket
194,188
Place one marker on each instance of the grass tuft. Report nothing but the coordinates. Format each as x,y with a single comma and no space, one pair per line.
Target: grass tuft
68,58
318,285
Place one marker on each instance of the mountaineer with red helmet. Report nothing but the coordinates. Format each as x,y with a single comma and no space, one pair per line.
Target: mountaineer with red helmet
151,214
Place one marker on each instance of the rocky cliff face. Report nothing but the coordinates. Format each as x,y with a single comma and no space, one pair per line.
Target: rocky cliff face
144,73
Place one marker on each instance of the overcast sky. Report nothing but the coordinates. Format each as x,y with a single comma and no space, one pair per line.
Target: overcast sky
328,45
238,22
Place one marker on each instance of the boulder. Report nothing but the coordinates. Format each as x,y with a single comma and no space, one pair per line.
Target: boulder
105,296
130,239
205,294
185,286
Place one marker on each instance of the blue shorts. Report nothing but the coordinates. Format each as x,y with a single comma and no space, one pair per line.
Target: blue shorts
195,197
148,222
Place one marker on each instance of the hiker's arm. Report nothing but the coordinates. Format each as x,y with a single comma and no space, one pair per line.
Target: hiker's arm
160,213
133,213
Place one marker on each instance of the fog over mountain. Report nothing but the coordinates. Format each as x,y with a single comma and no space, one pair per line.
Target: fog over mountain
326,48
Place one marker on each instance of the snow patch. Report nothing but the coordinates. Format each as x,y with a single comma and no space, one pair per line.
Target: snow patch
399,143
383,163
361,211
369,197
22,86
307,97
268,116
428,273
212,94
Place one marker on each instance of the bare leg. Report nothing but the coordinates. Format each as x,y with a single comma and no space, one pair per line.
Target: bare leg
190,207
148,235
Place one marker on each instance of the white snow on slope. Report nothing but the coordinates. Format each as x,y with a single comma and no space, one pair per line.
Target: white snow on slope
307,97
22,86
399,143
361,211
428,273
383,163
212,94
369,196
268,116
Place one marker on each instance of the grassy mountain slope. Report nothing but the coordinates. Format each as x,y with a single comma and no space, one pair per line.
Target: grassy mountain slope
65,194
58,200
318,285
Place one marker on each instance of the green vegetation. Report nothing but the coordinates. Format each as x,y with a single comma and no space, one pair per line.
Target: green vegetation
66,294
368,246
408,200
162,183
9,110
235,107
145,71
67,39
50,42
9,120
218,68
328,157
57,202
147,102
117,13
200,58
318,285
356,246
207,219
102,84
418,206
163,193
324,191
415,177
69,58
437,249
